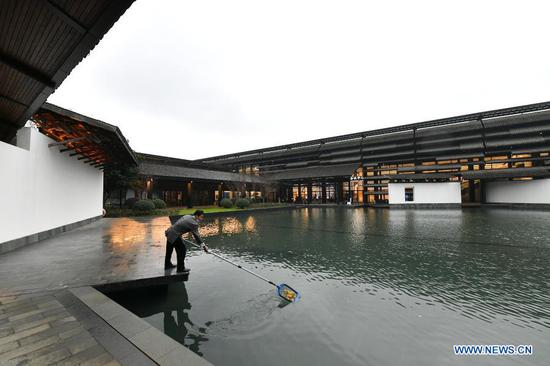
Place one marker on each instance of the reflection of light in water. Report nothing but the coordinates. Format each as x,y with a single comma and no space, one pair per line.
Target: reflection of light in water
124,232
231,225
250,224
210,229
358,222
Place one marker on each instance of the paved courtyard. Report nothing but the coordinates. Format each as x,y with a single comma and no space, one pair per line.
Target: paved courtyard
108,250
42,322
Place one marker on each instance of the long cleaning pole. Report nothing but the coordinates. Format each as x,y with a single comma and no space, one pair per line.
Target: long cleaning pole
233,263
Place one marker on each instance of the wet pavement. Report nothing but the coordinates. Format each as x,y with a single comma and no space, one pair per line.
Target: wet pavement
41,322
108,250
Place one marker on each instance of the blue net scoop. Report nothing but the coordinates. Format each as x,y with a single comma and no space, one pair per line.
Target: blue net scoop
288,293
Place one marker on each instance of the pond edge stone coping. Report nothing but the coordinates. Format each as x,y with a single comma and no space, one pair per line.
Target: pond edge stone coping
156,345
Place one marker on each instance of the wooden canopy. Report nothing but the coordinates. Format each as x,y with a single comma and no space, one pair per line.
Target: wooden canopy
41,41
96,142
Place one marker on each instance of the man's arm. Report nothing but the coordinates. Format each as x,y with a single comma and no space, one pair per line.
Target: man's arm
196,235
199,240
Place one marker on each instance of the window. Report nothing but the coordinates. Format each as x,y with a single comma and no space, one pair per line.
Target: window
409,194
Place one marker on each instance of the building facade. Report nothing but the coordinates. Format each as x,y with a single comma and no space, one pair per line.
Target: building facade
473,151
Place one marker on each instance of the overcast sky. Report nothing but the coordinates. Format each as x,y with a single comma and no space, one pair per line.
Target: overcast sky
193,79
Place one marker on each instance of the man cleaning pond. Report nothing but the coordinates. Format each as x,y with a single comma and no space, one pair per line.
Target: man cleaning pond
186,224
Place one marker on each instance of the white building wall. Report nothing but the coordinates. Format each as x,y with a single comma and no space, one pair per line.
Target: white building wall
425,193
42,188
518,191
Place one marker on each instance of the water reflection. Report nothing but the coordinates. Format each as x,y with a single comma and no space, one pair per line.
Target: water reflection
231,225
174,305
250,224
211,228
379,286
227,225
124,233
479,264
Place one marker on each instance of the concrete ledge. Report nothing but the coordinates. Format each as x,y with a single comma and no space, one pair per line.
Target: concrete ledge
143,282
11,245
426,205
124,352
323,205
156,345
377,205
519,206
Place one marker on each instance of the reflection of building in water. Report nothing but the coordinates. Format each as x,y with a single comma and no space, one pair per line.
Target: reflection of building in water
230,225
250,224
210,229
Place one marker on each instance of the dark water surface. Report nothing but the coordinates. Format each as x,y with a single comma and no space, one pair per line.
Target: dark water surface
379,287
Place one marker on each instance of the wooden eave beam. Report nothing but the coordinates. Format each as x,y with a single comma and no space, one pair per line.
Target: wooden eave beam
55,9
27,70
66,141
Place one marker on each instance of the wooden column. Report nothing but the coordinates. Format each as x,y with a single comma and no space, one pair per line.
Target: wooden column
471,186
289,193
189,194
339,191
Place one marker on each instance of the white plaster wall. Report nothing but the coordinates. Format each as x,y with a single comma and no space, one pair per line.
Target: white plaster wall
443,192
42,188
518,191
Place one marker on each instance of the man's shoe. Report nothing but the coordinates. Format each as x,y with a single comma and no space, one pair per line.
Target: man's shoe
169,266
185,270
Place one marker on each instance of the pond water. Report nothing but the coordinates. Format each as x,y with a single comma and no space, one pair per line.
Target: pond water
379,287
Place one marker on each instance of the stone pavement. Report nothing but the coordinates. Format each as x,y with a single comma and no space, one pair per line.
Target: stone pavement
42,322
54,328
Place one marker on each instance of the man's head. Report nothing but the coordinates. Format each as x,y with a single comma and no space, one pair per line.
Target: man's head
199,215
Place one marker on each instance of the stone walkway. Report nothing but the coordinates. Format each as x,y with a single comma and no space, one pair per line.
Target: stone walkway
42,323
41,330
54,328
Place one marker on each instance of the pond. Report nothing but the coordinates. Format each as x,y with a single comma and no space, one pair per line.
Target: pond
379,287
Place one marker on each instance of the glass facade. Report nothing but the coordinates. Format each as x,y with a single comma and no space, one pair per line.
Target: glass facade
433,156
300,193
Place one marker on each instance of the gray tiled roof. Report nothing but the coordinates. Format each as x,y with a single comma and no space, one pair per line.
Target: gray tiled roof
161,170
315,172
507,173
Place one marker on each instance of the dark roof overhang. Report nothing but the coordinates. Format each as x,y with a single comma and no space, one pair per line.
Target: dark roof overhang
418,176
506,173
468,123
314,172
166,160
148,168
40,44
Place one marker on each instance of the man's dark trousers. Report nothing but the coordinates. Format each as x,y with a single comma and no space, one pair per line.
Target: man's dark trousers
181,250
